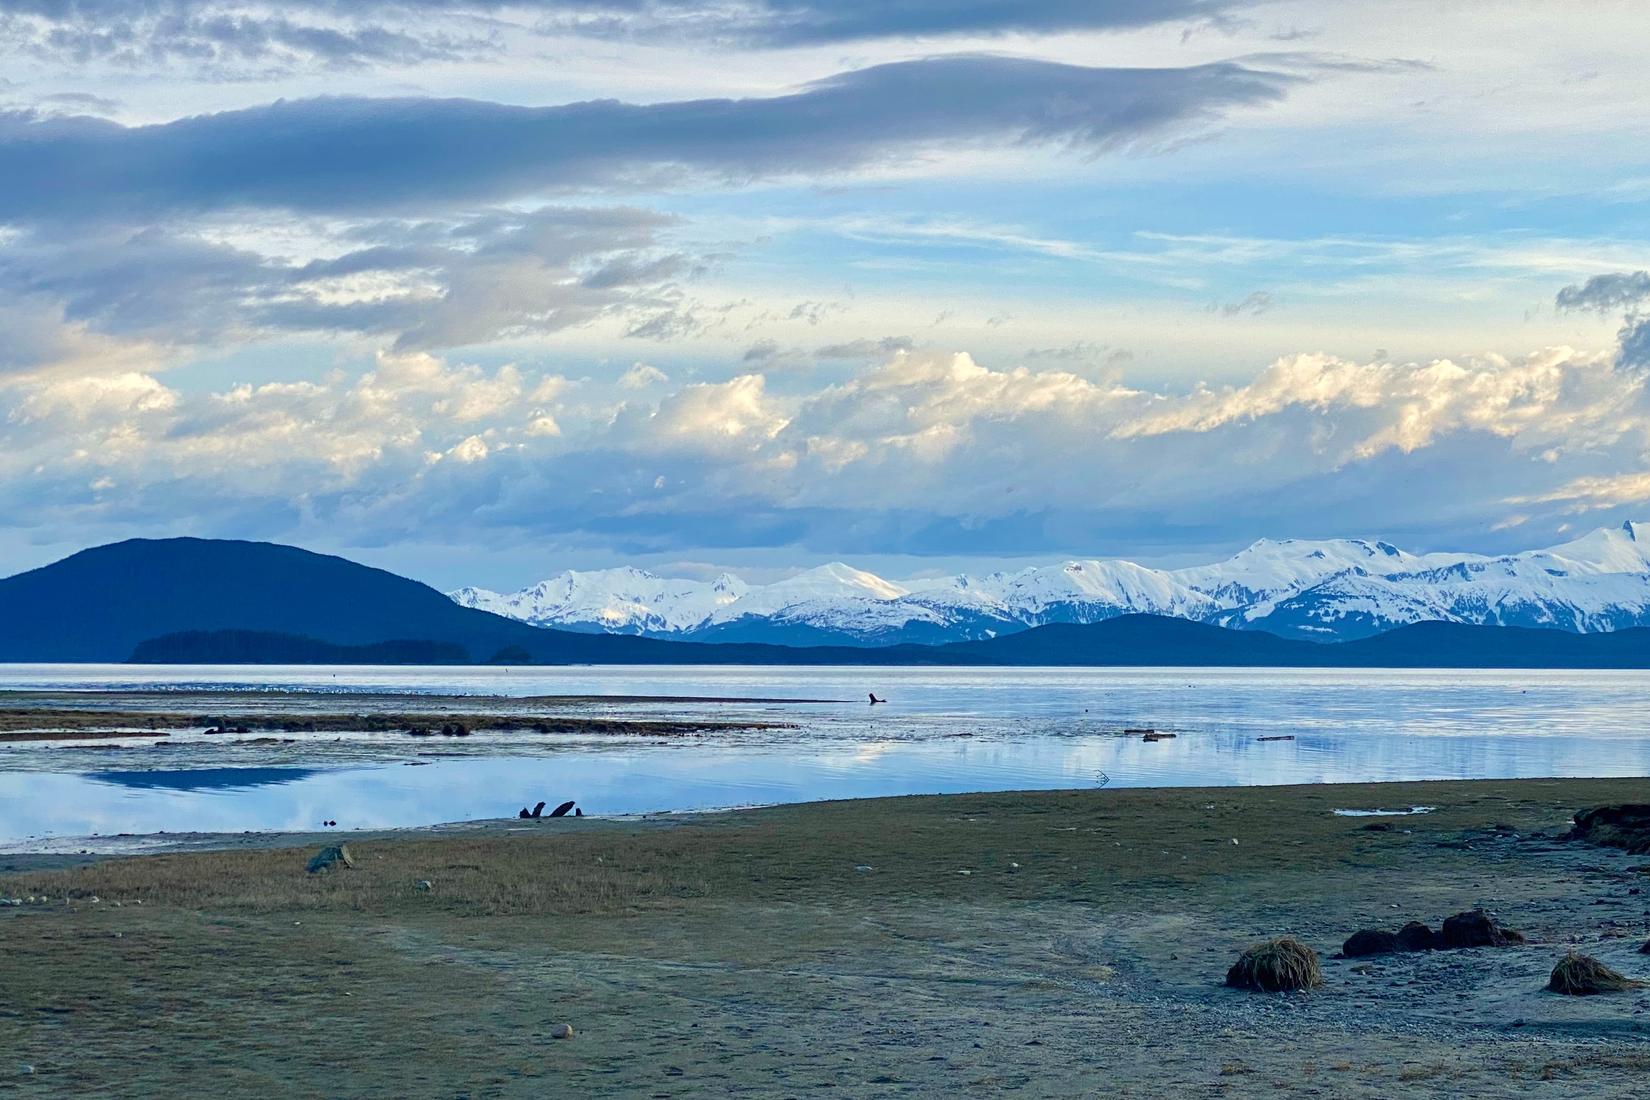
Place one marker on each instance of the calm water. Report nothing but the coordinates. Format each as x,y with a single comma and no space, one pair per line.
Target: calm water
943,730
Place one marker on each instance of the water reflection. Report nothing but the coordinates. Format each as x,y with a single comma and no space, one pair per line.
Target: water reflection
945,730
204,779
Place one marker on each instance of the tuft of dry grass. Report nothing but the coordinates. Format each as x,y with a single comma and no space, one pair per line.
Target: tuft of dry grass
1578,975
1283,965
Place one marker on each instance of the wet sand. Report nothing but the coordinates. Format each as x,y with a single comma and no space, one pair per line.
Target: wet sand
1039,944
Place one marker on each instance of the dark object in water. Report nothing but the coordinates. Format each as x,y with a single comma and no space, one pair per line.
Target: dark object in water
418,731
1155,736
1278,737
527,814
561,811
1416,936
455,729
1369,941
1578,975
1645,948
875,700
1143,730
578,813
1476,928
1626,826
1276,966
1376,827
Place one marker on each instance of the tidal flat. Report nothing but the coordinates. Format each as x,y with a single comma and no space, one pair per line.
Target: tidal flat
1061,943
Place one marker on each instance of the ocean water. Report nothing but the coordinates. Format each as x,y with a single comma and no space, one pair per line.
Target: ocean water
942,730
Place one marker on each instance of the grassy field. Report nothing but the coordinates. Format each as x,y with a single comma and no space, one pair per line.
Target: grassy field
1046,944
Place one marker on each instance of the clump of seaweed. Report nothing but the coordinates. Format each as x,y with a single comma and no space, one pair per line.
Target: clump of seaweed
1282,965
1578,975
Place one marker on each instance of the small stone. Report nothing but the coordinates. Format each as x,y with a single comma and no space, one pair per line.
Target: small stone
94,899
25,1069
423,886
562,1031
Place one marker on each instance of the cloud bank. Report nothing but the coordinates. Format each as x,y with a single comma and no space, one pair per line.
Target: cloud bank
923,453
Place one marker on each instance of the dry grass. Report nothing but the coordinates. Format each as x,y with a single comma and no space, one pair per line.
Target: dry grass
1283,965
489,876
1578,975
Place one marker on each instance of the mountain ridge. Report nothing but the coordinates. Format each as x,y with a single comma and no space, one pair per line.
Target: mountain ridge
216,601
1323,590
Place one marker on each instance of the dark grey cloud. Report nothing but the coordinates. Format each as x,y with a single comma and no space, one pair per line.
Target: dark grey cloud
1607,293
352,155
1619,292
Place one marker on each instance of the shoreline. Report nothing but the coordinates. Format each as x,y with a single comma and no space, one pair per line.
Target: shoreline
1397,812
1057,943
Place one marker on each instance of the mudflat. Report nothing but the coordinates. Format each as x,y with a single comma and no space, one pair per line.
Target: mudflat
63,716
1056,944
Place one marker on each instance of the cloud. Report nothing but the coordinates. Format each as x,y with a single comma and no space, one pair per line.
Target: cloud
231,39
923,452
865,348
815,22
347,155
640,376
1617,292
1607,293
1254,304
424,283
234,37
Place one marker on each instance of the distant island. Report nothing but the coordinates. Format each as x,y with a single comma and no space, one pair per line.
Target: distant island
202,601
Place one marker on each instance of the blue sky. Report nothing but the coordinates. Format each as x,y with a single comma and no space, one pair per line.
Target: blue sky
480,291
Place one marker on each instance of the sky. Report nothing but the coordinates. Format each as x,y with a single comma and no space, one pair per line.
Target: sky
483,291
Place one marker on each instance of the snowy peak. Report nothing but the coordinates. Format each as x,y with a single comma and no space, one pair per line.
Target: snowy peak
1316,588
621,600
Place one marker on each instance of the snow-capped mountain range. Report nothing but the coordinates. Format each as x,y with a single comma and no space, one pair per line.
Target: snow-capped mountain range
1327,590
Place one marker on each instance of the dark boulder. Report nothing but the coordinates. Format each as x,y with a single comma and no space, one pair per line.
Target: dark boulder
562,810
1369,941
1477,928
1625,826
1416,936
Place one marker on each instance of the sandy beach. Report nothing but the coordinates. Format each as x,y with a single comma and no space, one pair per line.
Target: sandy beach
1042,944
